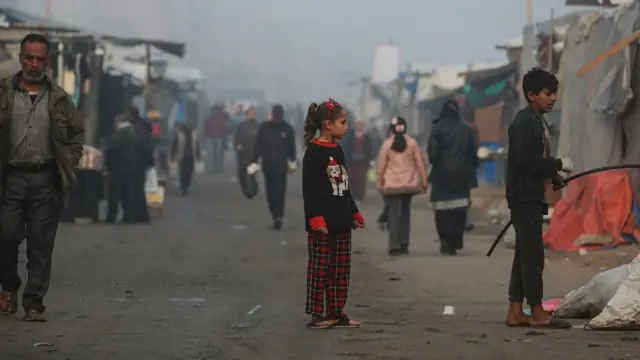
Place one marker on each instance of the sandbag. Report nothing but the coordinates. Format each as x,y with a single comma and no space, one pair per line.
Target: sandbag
623,310
590,299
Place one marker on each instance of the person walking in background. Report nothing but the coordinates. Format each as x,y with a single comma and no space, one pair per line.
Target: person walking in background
145,162
235,119
141,126
185,151
402,173
121,160
452,154
42,142
359,159
243,142
376,141
216,132
276,146
330,215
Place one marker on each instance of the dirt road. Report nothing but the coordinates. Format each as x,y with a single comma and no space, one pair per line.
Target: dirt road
209,281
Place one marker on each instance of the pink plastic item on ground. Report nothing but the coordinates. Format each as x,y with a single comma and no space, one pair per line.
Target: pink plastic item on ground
551,305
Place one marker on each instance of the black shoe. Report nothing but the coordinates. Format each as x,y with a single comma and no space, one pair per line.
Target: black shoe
469,227
277,224
394,252
404,249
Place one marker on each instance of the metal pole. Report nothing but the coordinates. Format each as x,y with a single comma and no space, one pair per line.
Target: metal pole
60,79
530,12
551,33
363,96
91,131
146,91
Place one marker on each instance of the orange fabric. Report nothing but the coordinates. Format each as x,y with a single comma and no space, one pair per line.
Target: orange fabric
599,204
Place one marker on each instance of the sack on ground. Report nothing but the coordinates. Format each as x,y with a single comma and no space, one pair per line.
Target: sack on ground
590,299
623,310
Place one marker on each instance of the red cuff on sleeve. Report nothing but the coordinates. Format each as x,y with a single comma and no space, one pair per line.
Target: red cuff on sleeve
358,217
317,222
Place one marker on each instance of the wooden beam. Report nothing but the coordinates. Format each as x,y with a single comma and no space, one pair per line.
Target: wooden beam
616,48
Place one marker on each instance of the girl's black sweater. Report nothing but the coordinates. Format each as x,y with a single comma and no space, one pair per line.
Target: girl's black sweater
325,189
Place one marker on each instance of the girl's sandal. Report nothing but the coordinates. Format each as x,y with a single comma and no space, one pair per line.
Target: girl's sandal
321,324
345,322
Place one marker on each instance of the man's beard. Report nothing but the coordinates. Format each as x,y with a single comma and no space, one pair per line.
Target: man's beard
32,77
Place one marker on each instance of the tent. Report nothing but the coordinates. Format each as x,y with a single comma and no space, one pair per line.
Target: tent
599,124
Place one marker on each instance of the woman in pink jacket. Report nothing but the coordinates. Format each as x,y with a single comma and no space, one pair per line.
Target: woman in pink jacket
402,174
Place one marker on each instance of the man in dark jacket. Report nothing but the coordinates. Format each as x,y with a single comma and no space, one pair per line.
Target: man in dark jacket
122,161
243,142
41,144
452,154
529,167
276,146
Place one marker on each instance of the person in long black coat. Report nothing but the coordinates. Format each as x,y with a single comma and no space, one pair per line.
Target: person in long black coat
452,154
145,159
122,161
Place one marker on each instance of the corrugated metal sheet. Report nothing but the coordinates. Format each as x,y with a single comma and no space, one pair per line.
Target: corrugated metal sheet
10,17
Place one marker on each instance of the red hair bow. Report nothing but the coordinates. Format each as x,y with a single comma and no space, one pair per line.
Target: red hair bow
331,104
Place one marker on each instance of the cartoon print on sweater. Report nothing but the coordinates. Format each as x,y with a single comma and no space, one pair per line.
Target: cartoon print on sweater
338,177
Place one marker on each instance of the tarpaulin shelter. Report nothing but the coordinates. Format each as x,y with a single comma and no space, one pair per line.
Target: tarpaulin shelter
599,125
488,87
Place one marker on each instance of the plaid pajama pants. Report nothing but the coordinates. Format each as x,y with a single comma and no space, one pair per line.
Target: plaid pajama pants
328,271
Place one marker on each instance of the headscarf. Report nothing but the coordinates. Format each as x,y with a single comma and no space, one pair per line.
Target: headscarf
451,110
398,128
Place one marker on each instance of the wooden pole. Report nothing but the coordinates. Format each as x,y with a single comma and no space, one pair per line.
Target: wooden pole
530,12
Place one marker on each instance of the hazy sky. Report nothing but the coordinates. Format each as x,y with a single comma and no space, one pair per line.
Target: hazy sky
306,49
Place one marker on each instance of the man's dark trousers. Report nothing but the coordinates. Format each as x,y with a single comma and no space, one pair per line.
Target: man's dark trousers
275,183
122,192
29,206
528,260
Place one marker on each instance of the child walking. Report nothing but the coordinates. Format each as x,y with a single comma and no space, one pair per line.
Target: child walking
330,215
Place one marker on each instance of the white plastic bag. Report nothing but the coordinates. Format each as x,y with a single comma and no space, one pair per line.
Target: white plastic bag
151,181
199,167
173,170
590,299
509,239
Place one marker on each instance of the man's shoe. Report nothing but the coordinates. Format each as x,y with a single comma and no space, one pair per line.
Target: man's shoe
33,315
277,224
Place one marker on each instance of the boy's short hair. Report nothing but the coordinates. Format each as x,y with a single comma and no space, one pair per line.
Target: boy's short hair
536,80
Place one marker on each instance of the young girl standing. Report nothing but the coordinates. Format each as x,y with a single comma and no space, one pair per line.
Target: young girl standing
330,215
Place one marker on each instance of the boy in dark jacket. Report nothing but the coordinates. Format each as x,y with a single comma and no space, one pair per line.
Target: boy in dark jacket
529,167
